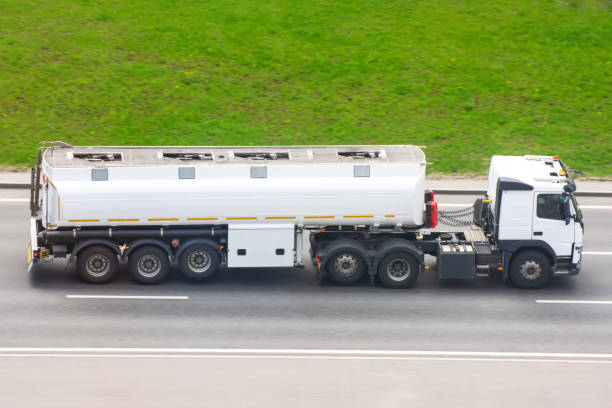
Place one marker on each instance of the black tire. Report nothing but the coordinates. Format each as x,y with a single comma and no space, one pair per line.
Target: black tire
346,267
199,262
530,270
149,265
97,264
398,270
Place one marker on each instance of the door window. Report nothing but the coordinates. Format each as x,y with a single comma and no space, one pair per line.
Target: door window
550,206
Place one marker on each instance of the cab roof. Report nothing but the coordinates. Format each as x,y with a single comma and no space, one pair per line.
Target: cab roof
540,172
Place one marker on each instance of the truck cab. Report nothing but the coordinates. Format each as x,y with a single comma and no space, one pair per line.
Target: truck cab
535,218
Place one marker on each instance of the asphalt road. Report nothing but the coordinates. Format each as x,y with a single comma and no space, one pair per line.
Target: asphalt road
255,337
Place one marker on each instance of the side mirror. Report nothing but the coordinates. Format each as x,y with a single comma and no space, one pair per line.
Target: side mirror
567,209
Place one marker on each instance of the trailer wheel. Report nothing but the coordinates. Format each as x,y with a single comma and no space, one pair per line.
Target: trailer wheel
530,270
97,264
398,270
199,262
149,265
346,267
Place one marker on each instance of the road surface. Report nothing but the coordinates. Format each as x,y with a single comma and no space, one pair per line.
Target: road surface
276,338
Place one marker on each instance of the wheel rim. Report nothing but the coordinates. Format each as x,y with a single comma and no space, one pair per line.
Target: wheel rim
199,261
149,266
97,265
530,270
398,269
346,265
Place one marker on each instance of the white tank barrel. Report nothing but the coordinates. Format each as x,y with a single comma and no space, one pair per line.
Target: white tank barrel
308,185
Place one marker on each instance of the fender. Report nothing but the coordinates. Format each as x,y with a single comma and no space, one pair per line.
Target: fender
83,244
338,245
141,242
214,245
397,244
509,247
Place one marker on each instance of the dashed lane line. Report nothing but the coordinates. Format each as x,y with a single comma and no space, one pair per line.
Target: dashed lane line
575,302
139,297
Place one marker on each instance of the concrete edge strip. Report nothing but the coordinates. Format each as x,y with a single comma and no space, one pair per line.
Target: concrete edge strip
314,357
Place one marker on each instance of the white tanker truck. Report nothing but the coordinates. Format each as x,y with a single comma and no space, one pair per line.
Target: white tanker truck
365,210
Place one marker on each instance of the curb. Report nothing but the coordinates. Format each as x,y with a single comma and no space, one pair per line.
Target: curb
17,185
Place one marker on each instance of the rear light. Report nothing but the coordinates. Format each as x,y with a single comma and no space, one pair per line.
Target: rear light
429,196
433,214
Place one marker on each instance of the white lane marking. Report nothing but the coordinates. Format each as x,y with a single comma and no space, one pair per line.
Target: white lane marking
596,253
126,297
14,200
296,352
289,357
575,302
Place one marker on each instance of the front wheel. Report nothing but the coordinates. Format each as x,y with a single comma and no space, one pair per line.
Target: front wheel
530,270
398,270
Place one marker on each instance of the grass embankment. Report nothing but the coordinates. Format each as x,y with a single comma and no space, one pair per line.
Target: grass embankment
468,79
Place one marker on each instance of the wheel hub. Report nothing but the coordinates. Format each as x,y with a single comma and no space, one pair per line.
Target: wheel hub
199,261
346,265
530,270
398,269
97,265
149,265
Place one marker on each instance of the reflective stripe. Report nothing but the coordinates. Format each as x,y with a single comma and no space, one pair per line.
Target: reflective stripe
83,220
163,219
280,218
358,216
319,216
122,219
240,218
202,219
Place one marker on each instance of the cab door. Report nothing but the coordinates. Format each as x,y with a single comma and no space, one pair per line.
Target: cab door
549,223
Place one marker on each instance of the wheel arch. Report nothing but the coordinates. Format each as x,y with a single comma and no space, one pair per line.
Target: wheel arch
332,248
81,245
397,245
147,241
513,248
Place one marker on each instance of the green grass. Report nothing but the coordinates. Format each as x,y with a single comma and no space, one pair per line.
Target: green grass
469,79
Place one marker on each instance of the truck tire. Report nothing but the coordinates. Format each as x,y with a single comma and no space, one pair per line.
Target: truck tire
199,262
97,264
530,270
346,268
398,270
149,265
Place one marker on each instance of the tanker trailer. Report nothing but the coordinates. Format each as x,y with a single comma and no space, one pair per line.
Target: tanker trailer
364,210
